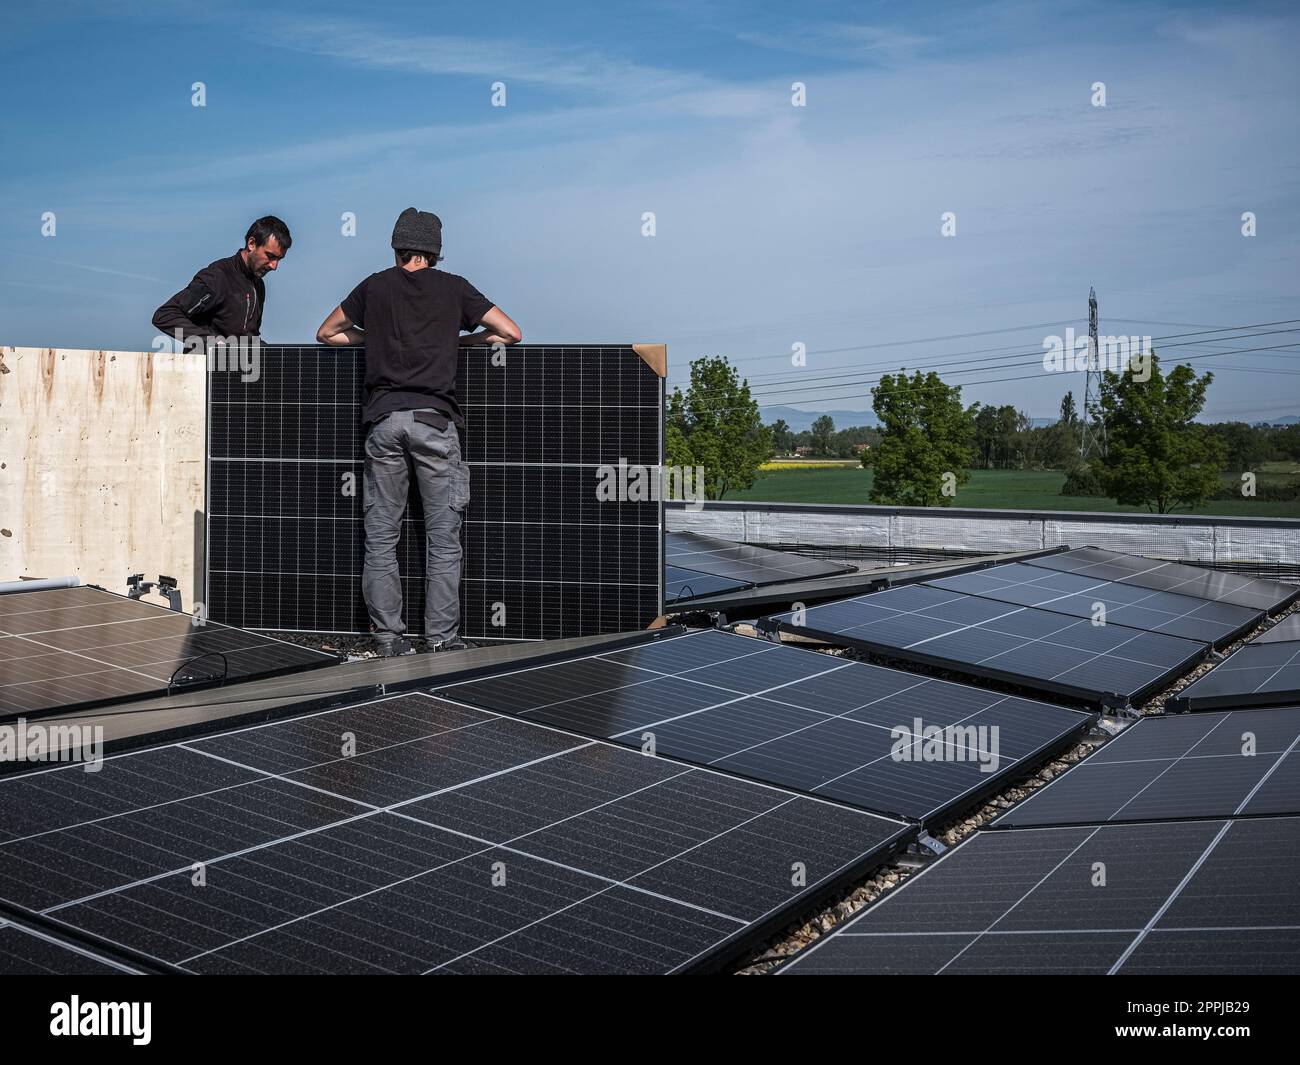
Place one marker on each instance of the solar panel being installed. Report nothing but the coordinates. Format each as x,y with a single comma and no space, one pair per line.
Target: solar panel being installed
1088,597
26,952
1110,665
452,840
1264,672
750,565
1181,767
1270,596
66,648
563,536
1188,898
823,725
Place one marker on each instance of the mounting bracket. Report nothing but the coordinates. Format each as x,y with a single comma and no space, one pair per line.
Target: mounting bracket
137,587
927,842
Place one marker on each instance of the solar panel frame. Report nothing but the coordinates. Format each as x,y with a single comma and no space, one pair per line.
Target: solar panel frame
1173,768
1026,901
556,577
130,640
279,776
840,731
986,625
29,952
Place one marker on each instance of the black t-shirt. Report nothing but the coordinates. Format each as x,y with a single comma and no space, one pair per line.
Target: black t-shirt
413,320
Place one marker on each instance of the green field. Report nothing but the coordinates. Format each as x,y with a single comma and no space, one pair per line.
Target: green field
990,489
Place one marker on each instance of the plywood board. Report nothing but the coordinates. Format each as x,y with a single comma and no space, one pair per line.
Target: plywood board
101,466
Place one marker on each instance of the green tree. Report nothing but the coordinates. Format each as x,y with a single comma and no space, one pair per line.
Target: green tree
845,442
1287,442
984,434
925,440
1155,455
1244,447
716,425
823,429
782,437
1063,439
1000,436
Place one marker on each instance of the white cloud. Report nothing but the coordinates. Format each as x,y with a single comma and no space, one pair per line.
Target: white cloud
441,55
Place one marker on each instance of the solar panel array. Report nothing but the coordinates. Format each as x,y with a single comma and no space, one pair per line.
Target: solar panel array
1270,596
1062,592
545,555
746,564
1185,766
1109,664
1107,628
75,647
1263,672
814,723
1193,897
413,835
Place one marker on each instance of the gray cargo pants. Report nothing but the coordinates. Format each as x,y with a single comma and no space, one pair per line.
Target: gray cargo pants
395,445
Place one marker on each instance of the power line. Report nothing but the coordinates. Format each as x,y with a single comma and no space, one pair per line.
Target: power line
990,332
896,343
1002,380
769,391
775,387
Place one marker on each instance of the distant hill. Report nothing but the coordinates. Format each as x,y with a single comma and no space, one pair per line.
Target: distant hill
1286,419
800,421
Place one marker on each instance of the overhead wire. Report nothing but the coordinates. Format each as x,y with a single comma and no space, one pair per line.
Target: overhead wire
801,377
1020,378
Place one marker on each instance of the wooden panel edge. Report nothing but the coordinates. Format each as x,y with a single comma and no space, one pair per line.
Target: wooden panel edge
655,356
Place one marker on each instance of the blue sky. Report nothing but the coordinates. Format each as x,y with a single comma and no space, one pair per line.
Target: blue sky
776,224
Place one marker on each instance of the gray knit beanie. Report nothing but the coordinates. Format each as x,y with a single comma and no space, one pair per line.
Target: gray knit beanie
418,231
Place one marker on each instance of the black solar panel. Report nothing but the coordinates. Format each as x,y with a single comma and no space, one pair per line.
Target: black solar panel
1260,673
414,835
1179,767
1285,631
66,648
1214,585
1102,664
545,554
744,562
815,723
1157,899
26,952
1124,604
681,585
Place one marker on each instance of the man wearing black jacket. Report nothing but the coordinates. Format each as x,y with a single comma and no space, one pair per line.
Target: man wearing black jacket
226,297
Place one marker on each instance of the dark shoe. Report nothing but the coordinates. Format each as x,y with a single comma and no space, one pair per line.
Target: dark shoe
394,648
454,644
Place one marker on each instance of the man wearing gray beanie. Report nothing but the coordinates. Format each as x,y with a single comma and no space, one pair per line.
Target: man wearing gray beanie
409,318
